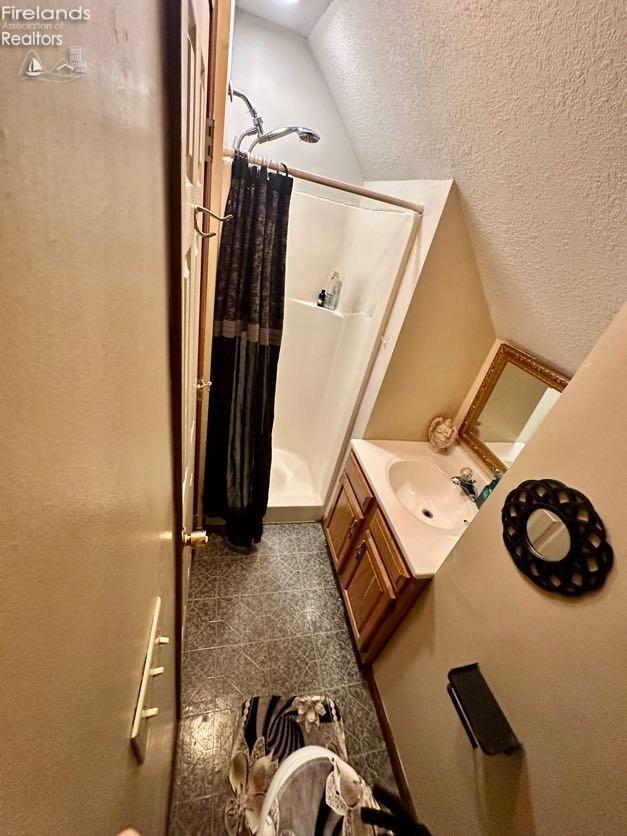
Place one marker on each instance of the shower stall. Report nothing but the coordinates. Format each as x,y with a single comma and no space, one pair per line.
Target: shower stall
325,354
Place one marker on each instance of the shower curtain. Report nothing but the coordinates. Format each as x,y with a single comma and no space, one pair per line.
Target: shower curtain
248,323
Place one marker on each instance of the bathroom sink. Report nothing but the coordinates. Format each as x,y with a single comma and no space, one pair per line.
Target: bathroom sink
427,492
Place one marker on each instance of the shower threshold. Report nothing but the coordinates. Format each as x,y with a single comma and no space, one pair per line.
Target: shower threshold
293,495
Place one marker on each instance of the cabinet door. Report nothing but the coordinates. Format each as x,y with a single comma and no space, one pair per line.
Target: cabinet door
343,523
391,557
368,594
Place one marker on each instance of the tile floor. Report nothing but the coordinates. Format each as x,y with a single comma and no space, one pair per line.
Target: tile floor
271,622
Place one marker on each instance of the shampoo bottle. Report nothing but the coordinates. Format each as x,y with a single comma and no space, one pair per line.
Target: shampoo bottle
333,292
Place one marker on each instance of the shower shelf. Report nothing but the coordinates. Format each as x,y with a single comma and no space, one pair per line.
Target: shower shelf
338,314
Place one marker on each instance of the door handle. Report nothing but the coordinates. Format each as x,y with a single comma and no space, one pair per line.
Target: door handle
361,549
351,528
204,210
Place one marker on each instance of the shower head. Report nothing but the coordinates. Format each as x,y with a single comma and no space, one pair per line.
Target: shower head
305,134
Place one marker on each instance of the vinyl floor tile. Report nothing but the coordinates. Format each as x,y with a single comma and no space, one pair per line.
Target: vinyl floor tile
269,622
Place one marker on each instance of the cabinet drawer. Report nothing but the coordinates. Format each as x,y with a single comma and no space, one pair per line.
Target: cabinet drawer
392,559
359,484
343,523
368,594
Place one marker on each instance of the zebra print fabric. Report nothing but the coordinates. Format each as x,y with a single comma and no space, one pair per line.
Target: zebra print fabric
271,729
277,721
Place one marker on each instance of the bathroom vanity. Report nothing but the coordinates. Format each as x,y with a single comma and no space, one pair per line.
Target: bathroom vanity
395,517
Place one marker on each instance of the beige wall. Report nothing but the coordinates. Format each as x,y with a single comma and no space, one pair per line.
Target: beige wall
444,339
556,666
85,448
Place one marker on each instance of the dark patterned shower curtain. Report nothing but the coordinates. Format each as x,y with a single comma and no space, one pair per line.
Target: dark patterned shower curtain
248,323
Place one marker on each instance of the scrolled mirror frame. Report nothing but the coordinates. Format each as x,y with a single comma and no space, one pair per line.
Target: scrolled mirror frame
506,354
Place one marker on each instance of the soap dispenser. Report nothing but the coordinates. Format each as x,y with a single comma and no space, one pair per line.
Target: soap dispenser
485,493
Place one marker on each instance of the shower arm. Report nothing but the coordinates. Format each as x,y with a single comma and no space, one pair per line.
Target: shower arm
257,120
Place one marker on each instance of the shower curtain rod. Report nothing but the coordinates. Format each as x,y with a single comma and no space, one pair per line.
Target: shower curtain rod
327,181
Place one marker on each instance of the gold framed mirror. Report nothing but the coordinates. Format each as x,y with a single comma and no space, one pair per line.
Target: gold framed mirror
516,394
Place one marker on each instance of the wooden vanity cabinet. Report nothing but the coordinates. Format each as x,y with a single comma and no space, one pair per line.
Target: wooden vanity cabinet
377,585
342,522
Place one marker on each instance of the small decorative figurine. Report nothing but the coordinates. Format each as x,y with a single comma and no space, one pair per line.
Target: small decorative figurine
442,434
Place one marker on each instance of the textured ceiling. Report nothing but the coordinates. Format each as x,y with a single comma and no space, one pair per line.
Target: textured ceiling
521,103
301,16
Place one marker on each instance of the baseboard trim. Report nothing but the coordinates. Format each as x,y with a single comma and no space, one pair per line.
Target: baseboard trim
395,761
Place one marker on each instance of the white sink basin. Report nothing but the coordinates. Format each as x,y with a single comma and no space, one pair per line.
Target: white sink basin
425,510
427,492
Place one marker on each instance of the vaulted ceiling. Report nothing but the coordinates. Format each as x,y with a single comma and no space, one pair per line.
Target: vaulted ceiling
299,15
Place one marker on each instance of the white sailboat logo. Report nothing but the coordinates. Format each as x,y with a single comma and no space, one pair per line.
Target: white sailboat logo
34,67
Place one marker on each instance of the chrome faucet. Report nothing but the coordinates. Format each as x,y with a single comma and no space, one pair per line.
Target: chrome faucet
466,483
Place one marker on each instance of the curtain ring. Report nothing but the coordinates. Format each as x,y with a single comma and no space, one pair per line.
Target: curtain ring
287,171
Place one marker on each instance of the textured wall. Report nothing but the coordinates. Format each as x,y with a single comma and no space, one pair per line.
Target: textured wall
521,104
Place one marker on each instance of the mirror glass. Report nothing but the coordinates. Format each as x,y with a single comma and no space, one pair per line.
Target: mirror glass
548,535
513,411
514,397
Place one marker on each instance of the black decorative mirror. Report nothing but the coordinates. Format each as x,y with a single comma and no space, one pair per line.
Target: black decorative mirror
556,537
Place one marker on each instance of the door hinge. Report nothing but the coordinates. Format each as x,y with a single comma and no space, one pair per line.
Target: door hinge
211,124
201,386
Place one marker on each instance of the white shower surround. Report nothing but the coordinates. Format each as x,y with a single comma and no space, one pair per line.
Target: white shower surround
324,354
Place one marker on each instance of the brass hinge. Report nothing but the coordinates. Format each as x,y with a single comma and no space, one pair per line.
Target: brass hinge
201,386
211,124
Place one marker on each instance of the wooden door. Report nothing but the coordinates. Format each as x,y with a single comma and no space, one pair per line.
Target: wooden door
343,522
217,103
195,69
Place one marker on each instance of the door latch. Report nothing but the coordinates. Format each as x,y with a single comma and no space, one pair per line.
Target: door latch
196,538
